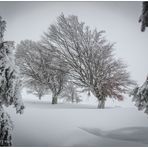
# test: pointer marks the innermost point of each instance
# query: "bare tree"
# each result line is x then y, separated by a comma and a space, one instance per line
70, 93
36, 88
55, 75
42, 65
89, 57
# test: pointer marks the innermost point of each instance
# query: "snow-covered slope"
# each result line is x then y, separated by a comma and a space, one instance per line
43, 124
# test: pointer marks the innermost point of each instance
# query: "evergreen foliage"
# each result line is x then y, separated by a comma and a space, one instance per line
9, 87
140, 96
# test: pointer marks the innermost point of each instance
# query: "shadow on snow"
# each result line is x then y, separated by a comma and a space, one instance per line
137, 134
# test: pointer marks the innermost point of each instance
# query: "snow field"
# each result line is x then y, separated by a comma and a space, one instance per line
44, 124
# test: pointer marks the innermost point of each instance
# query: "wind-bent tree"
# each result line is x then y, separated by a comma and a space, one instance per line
89, 57
140, 96
43, 65
9, 87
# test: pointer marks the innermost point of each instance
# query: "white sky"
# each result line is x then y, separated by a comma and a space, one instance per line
28, 20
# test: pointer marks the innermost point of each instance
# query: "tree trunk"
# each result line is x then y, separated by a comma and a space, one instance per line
54, 100
101, 98
101, 104
40, 97
72, 101
72, 98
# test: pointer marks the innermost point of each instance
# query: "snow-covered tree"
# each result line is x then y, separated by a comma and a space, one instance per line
6, 127
89, 57
42, 65
9, 87
54, 72
27, 56
140, 96
36, 88
70, 93
144, 16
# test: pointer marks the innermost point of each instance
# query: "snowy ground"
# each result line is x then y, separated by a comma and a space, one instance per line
43, 124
